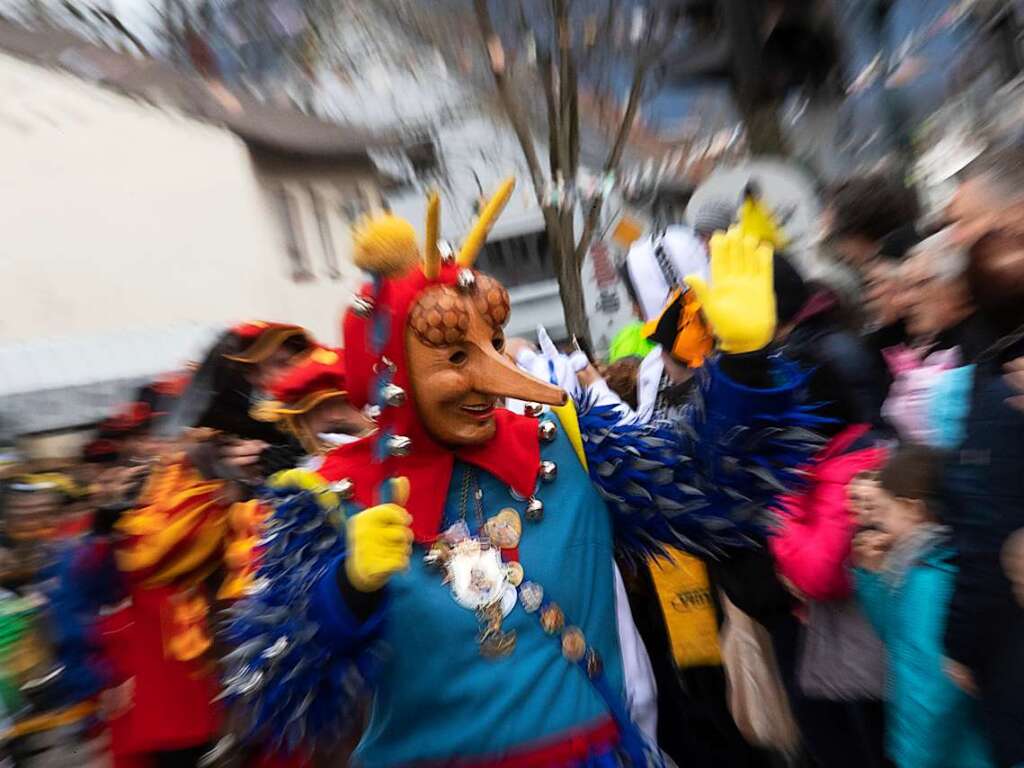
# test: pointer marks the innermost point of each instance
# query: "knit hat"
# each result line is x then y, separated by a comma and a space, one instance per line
714, 216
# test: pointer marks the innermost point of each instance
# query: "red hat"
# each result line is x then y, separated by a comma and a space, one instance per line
318, 377
378, 375
128, 418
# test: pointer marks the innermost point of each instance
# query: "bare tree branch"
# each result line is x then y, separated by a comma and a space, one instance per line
545, 74
566, 85
614, 155
515, 114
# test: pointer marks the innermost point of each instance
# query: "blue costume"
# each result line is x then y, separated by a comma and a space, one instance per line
434, 696
467, 667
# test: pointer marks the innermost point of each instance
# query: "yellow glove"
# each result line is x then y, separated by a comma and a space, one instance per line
306, 480
740, 303
757, 220
379, 541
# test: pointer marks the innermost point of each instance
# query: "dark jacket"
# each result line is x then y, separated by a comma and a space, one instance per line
849, 375
984, 504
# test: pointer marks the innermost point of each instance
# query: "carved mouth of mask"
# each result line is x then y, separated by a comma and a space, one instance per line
481, 411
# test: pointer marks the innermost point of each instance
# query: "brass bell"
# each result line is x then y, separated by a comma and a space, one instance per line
393, 395
533, 409
466, 280
534, 510
548, 471
362, 306
399, 446
345, 489
547, 430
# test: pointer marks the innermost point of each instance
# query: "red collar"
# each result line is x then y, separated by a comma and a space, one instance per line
512, 455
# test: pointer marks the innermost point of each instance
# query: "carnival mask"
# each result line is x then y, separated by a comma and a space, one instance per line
457, 366
424, 338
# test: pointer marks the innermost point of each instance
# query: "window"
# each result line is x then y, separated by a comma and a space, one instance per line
291, 229
326, 237
518, 260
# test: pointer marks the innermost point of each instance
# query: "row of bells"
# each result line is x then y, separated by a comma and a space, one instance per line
399, 446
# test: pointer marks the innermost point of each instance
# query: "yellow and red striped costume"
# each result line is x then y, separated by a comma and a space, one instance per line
183, 531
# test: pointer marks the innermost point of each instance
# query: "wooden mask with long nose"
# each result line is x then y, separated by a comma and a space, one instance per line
457, 367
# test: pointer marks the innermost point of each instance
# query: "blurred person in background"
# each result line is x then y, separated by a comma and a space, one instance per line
984, 488
904, 578
655, 266
834, 694
831, 660
818, 334
309, 402
159, 556
989, 197
870, 222
945, 331
50, 715
1013, 563
682, 636
871, 217
677, 252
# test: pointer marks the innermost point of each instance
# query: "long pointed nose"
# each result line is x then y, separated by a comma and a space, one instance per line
494, 374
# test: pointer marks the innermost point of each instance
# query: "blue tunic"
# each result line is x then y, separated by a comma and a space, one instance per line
301, 656
435, 696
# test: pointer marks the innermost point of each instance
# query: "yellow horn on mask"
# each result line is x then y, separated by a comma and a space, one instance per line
431, 255
478, 234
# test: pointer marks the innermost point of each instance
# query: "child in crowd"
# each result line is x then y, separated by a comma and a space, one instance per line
904, 579
862, 498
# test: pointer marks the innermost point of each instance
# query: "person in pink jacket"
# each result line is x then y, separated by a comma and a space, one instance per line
812, 545
839, 674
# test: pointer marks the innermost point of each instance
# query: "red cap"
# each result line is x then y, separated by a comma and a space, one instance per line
317, 377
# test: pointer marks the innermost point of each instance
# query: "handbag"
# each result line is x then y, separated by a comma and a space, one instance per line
756, 696
841, 658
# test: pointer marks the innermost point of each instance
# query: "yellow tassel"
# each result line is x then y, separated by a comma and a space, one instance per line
431, 255
478, 234
385, 245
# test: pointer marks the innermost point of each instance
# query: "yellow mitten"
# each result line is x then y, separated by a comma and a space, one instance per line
757, 220
740, 302
379, 541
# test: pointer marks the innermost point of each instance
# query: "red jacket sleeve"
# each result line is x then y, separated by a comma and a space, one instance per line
812, 544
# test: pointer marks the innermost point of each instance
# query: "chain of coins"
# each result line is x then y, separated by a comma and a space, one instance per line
504, 530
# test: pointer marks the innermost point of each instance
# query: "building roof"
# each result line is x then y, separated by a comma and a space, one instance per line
266, 126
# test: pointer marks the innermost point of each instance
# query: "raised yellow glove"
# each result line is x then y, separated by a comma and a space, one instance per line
740, 303
757, 220
379, 541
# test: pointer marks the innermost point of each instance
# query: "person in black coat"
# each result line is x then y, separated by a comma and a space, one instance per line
984, 493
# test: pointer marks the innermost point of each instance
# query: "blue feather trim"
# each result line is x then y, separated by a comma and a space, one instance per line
288, 683
710, 482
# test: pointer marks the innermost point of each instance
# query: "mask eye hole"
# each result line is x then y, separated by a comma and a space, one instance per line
458, 357
499, 342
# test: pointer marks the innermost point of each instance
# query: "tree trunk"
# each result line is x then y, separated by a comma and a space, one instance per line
570, 284
764, 129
